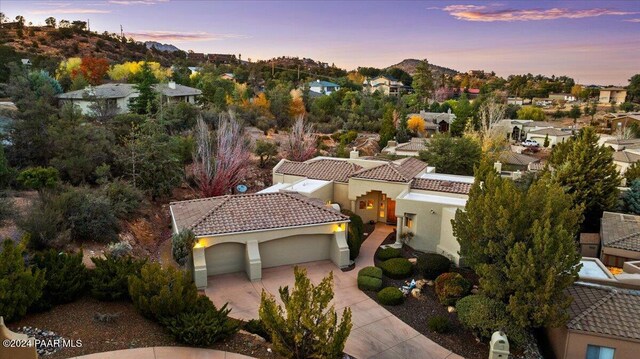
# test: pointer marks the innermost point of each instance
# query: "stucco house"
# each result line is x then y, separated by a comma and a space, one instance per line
625, 158
554, 135
511, 161
562, 97
441, 120
249, 232
411, 148
620, 236
387, 85
323, 87
615, 95
118, 96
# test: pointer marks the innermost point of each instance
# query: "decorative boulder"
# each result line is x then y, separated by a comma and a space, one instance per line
413, 260
420, 283
451, 309
416, 293
430, 283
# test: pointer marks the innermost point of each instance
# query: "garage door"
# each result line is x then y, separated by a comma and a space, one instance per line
295, 249
225, 258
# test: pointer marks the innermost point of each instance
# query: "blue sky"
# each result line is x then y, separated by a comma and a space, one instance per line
592, 41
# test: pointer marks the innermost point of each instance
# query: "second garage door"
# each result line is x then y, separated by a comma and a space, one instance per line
295, 249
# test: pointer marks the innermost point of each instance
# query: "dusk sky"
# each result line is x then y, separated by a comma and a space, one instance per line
592, 41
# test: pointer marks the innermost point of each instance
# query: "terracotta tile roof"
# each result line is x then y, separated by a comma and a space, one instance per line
415, 145
605, 310
518, 159
398, 171
626, 156
322, 169
251, 212
441, 186
621, 231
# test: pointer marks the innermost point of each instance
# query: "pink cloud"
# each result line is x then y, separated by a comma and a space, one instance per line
136, 2
69, 11
483, 14
632, 20
181, 36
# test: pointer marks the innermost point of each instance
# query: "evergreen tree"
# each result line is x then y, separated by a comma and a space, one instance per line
307, 327
145, 103
453, 155
387, 128
20, 285
587, 172
632, 173
423, 81
632, 198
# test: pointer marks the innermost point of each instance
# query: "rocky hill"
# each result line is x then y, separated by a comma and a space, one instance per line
409, 66
160, 46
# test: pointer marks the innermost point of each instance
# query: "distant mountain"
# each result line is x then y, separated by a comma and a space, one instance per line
160, 47
409, 66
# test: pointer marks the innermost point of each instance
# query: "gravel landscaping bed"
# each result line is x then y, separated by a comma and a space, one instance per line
75, 321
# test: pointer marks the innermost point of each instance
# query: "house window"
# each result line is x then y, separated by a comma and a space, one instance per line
408, 220
597, 352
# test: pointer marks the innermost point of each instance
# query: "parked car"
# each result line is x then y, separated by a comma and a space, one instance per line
530, 143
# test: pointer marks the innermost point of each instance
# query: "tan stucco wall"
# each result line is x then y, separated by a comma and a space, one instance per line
557, 338
325, 193
370, 214
553, 140
577, 346
295, 249
359, 187
341, 195
449, 245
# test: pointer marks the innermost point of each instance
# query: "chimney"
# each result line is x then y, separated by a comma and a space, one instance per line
449, 111
392, 143
354, 153
497, 166
172, 85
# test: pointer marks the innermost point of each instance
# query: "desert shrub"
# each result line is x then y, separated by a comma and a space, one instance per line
369, 283
371, 271
397, 268
181, 246
119, 249
65, 276
203, 325
355, 235
483, 316
256, 326
439, 324
388, 253
125, 199
43, 223
390, 296
450, 287
20, 286
110, 278
160, 293
39, 178
431, 265
88, 215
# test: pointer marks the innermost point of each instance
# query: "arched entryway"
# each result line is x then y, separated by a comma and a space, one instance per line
376, 206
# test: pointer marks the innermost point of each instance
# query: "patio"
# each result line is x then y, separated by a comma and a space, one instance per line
376, 332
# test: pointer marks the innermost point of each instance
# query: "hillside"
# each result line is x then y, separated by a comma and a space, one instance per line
409, 66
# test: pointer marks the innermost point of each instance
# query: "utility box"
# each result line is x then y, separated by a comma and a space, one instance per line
499, 346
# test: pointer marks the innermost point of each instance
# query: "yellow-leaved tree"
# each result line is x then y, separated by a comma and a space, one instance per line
416, 124
297, 108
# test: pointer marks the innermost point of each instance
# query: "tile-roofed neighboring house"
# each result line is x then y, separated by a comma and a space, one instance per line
398, 171
441, 185
620, 234
173, 89
321, 169
252, 212
517, 159
416, 144
105, 91
626, 156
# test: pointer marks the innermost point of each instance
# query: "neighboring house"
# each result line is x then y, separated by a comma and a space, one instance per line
411, 148
519, 101
26, 62
616, 95
603, 324
621, 119
554, 135
620, 236
228, 76
512, 161
562, 97
250, 232
118, 96
323, 87
442, 120
387, 85
542, 102
621, 144
625, 158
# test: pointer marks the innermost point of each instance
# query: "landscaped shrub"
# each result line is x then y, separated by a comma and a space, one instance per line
43, 224
162, 292
182, 245
388, 253
371, 271
390, 296
483, 316
88, 215
431, 265
20, 286
110, 278
369, 283
65, 276
255, 326
397, 268
119, 249
39, 178
307, 326
202, 325
439, 324
125, 199
356, 232
450, 287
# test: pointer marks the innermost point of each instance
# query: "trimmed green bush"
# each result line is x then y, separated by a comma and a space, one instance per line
369, 283
450, 287
397, 268
356, 232
483, 316
390, 296
203, 325
431, 265
65, 275
20, 286
388, 253
371, 271
182, 245
439, 324
109, 280
160, 293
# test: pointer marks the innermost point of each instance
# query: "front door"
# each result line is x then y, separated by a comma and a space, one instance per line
391, 211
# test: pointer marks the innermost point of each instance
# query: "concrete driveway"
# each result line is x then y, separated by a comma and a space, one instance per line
376, 332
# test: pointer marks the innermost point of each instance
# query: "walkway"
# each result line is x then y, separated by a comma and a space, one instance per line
164, 353
376, 332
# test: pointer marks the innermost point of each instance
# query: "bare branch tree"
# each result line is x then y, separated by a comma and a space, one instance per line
491, 112
301, 142
623, 133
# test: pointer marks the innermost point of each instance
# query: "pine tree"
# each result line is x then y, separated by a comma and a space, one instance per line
145, 103
423, 81
20, 286
307, 327
632, 173
632, 198
586, 170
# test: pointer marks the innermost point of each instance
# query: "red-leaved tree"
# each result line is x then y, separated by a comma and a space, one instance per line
220, 161
301, 142
93, 69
